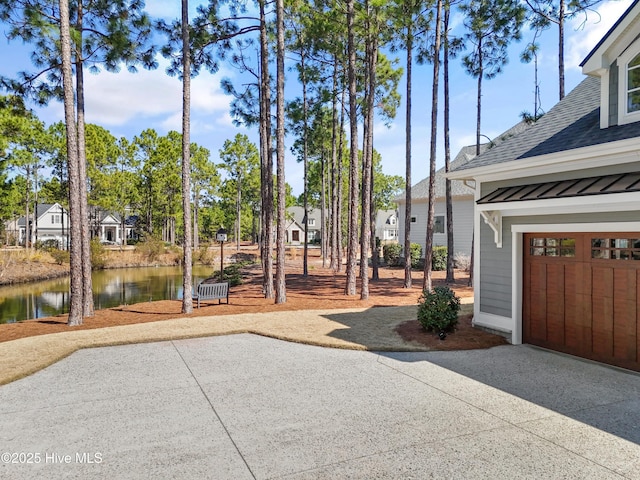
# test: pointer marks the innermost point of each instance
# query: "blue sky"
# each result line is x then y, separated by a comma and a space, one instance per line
126, 103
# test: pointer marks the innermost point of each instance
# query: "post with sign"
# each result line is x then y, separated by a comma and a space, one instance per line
221, 236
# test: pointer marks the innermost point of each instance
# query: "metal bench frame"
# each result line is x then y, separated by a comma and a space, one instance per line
212, 291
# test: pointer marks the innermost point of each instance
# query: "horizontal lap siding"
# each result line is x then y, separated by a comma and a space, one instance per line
495, 274
462, 224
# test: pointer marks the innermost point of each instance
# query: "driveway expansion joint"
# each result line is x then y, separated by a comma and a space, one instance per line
213, 409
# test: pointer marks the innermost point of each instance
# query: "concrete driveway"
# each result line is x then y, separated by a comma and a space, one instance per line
244, 406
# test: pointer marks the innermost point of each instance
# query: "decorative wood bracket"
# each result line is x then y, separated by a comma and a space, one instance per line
494, 220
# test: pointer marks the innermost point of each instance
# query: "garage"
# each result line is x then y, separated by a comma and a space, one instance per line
581, 295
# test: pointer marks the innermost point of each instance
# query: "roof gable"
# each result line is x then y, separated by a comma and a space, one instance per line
619, 36
42, 209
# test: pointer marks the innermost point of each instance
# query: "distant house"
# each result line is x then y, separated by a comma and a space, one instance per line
108, 227
462, 202
50, 223
387, 226
296, 223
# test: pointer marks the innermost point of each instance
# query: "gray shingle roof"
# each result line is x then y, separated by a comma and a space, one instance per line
572, 123
41, 210
465, 155
297, 214
458, 188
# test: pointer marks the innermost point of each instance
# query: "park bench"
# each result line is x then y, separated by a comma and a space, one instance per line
212, 291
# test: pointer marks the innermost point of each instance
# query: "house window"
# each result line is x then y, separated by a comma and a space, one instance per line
633, 85
615, 248
312, 222
55, 219
552, 247
628, 85
295, 236
438, 224
392, 221
413, 219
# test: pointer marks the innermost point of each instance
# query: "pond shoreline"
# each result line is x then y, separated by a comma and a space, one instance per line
22, 270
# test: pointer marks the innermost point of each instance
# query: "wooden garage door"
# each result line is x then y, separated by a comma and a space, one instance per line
581, 295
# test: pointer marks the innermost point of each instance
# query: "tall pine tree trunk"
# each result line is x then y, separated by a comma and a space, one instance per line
352, 247
75, 220
266, 160
196, 214
305, 160
407, 146
335, 234
187, 299
340, 210
87, 284
323, 212
367, 170
281, 293
238, 209
447, 152
428, 256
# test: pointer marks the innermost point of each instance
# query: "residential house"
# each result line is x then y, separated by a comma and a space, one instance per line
387, 226
296, 215
294, 232
106, 226
558, 215
462, 201
50, 223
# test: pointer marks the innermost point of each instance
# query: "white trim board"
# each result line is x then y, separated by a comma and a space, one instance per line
618, 152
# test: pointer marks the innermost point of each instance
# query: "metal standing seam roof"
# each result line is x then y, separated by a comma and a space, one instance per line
581, 187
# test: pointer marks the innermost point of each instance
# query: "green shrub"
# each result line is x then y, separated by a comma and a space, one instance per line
439, 259
438, 309
48, 245
392, 254
60, 256
97, 255
231, 274
151, 248
416, 255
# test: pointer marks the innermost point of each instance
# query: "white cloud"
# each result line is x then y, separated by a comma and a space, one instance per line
162, 8
583, 35
114, 99
380, 129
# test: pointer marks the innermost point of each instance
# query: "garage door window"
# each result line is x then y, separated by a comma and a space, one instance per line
552, 247
615, 248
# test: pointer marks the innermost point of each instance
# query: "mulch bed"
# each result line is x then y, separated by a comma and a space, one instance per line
320, 290
465, 336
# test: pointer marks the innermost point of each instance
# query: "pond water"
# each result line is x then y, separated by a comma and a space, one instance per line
111, 288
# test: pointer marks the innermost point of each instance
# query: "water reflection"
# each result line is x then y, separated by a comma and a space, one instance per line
110, 289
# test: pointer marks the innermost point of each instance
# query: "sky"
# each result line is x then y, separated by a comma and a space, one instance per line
126, 103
